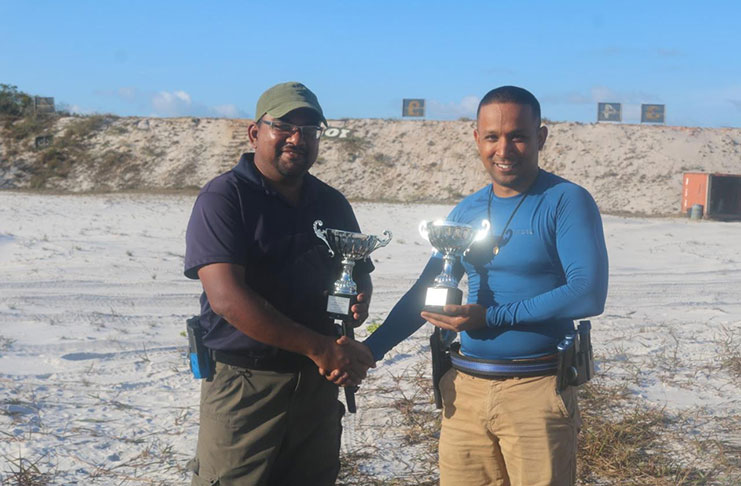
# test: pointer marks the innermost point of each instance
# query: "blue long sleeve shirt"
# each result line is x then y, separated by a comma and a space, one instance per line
551, 268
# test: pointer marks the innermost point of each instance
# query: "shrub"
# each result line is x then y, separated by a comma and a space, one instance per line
14, 102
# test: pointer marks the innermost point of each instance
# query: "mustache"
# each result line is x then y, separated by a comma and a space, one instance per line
293, 148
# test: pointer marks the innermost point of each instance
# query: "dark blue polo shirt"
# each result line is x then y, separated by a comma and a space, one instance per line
237, 218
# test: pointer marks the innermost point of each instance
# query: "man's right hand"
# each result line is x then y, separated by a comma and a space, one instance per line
345, 362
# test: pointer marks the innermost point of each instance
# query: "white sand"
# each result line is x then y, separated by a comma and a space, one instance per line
94, 385
634, 169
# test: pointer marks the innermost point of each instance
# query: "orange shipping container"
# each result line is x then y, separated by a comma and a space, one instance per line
719, 194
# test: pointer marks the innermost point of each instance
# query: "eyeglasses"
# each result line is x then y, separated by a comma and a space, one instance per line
285, 129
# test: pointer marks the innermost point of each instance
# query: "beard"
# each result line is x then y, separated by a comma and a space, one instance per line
293, 161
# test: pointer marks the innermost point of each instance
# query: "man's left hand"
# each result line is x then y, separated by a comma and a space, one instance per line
360, 310
458, 317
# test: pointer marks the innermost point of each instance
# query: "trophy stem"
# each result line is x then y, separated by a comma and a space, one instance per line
345, 285
446, 279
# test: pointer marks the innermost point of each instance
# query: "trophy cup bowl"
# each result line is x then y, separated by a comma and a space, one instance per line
453, 240
352, 247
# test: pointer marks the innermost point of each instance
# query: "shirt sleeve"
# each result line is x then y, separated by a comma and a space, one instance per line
404, 319
580, 244
215, 233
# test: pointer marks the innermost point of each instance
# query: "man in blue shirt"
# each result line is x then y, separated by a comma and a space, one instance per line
543, 265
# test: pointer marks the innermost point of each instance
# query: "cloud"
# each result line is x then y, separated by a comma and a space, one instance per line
228, 111
466, 108
598, 94
176, 103
171, 103
74, 109
126, 93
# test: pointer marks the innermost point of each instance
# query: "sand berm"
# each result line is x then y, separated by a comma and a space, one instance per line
629, 169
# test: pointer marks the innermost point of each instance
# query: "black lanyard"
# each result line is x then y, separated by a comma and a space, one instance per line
488, 216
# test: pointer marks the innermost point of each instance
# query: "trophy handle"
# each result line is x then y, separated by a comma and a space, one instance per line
423, 231
481, 234
378, 243
322, 235
385, 241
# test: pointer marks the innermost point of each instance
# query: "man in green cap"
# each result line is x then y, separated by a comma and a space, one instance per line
267, 416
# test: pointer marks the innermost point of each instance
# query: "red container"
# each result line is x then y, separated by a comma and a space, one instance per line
719, 194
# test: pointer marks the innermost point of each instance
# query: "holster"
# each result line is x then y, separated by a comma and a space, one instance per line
199, 357
440, 363
575, 357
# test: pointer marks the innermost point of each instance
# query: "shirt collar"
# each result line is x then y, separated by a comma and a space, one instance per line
246, 169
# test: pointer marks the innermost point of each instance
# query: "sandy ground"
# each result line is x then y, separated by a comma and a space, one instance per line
94, 385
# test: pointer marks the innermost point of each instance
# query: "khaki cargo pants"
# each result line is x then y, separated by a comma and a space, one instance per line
507, 431
267, 428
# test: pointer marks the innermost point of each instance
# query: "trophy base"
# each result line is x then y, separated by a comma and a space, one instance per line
439, 297
339, 305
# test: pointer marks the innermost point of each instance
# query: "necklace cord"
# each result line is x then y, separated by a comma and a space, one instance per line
488, 215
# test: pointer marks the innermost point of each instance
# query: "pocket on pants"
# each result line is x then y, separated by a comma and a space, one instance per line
240, 398
197, 480
567, 404
447, 388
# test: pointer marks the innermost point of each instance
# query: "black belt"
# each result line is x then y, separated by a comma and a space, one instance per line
487, 368
284, 362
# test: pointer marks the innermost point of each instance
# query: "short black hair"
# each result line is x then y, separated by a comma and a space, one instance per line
511, 94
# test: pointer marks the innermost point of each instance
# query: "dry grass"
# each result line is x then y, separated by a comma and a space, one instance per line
351, 148
6, 343
23, 472
154, 455
67, 150
625, 443
21, 128
730, 351
622, 441
417, 423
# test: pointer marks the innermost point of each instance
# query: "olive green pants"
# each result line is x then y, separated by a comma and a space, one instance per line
267, 428
507, 431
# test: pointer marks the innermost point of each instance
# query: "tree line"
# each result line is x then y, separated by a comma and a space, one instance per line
14, 102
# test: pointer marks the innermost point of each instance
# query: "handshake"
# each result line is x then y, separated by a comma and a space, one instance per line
345, 361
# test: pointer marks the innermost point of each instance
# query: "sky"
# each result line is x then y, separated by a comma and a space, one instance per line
362, 58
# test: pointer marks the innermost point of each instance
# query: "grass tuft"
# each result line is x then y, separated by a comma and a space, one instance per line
23, 472
730, 351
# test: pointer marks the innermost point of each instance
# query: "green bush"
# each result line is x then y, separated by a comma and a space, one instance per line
14, 102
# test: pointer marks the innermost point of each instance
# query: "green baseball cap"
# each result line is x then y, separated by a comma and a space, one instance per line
286, 97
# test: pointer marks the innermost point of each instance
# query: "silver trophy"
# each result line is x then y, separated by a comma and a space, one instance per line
352, 247
453, 240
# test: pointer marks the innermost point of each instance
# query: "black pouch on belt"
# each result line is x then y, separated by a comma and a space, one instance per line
584, 355
440, 363
575, 357
201, 364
